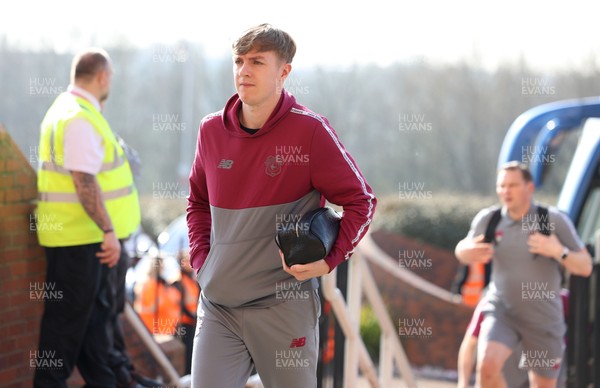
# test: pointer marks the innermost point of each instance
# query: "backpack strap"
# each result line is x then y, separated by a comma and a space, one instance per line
490, 231
490, 237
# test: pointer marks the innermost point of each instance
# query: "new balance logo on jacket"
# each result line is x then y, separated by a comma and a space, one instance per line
226, 164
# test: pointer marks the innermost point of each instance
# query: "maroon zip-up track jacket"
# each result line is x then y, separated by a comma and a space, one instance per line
244, 187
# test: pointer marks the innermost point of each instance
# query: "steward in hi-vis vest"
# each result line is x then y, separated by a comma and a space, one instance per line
87, 206
61, 218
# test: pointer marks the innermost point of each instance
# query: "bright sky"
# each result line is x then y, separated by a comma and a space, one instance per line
548, 34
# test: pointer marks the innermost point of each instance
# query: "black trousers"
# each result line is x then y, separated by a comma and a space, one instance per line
76, 327
118, 359
186, 334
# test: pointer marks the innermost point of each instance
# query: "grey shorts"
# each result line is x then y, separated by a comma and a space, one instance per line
281, 341
542, 348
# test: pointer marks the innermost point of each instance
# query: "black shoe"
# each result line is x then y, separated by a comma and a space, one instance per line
145, 381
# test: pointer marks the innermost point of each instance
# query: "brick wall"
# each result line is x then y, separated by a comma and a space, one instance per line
23, 267
22, 264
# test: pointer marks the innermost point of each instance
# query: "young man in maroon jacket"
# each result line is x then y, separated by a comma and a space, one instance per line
260, 163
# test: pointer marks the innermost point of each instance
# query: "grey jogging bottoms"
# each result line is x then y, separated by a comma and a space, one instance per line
280, 340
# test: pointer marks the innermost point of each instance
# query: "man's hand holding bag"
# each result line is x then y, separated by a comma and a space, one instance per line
311, 239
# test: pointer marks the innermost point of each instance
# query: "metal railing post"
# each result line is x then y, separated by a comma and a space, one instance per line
390, 346
354, 293
348, 314
338, 305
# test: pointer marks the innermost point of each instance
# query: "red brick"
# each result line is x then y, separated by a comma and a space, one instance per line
31, 310
15, 329
37, 267
12, 165
19, 298
8, 345
25, 179
12, 254
13, 223
8, 286
4, 269
14, 195
8, 375
19, 268
33, 325
18, 239
26, 342
16, 209
6, 181
31, 252
30, 192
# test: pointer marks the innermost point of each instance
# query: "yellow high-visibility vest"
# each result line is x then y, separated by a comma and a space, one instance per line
60, 218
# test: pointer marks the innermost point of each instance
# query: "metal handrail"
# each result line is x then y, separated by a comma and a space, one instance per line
157, 353
361, 280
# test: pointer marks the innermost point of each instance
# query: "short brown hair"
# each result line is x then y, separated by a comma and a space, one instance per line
516, 166
265, 37
88, 63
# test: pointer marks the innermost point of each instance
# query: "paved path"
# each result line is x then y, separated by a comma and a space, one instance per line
421, 383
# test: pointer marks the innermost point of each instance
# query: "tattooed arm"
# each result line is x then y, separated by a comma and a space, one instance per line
90, 196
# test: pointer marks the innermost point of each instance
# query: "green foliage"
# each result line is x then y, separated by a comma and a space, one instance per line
370, 331
441, 220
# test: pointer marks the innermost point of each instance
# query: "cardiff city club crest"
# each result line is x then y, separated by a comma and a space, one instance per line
272, 166
499, 235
